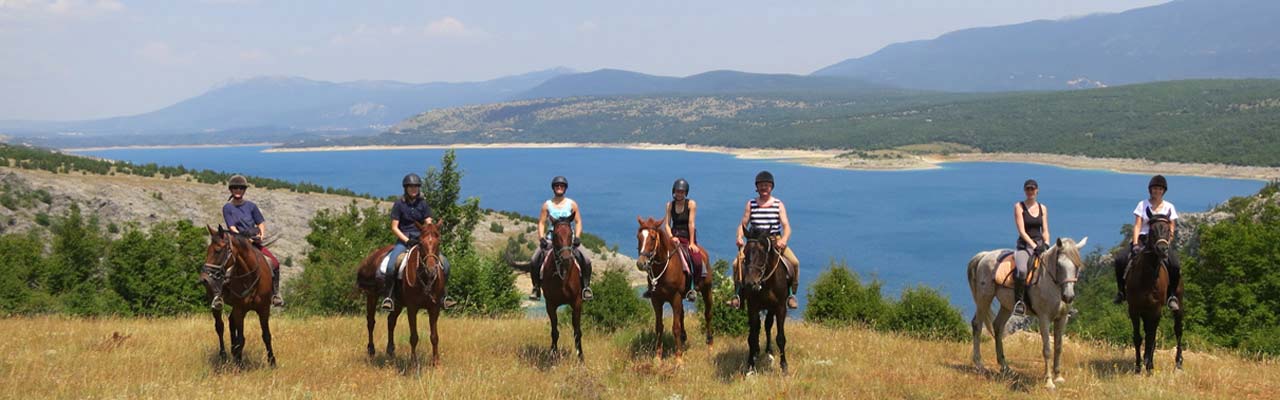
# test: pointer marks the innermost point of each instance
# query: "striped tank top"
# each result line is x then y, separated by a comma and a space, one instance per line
767, 216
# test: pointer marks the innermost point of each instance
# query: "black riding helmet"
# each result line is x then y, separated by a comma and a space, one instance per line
560, 180
237, 181
764, 176
411, 180
680, 184
1160, 182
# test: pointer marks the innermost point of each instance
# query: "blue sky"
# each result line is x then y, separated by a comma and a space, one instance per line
76, 59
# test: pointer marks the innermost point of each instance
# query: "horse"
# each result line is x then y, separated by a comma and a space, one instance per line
422, 288
1146, 290
235, 268
561, 282
1050, 295
765, 288
664, 263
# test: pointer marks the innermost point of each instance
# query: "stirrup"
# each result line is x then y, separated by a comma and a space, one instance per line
277, 300
692, 295
735, 302
388, 304
1020, 309
586, 294
792, 303
537, 294
216, 305
1119, 299
1173, 303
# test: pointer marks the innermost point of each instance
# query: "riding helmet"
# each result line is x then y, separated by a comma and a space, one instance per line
560, 180
238, 181
680, 184
411, 180
1030, 184
1158, 181
764, 176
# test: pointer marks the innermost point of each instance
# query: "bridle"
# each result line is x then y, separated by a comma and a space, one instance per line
767, 242
651, 255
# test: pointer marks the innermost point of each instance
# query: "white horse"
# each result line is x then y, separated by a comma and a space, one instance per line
1049, 297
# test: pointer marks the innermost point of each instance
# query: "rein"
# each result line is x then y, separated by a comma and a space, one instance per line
226, 266
768, 243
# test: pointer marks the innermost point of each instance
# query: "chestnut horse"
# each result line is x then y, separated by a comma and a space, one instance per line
561, 282
764, 288
664, 265
234, 267
1146, 288
422, 288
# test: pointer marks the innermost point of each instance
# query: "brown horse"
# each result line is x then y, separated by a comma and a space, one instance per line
765, 288
235, 268
561, 282
422, 288
664, 264
1146, 290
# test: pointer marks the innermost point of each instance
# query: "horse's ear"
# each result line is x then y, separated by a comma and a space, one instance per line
1059, 243
419, 225
1082, 242
211, 231
639, 220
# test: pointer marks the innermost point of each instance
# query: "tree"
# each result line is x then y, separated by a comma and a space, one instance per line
441, 188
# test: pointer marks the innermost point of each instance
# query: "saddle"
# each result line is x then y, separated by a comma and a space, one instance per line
400, 262
1005, 270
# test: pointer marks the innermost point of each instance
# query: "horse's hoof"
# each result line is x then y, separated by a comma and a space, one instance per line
1060, 380
272, 362
371, 351
770, 355
1049, 385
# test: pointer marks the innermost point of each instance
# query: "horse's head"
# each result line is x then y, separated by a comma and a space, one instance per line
1067, 265
221, 248
1159, 235
755, 256
648, 242
562, 240
429, 242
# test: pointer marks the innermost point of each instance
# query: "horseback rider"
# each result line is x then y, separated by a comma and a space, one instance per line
408, 211
1032, 220
243, 217
1155, 205
559, 207
680, 223
767, 212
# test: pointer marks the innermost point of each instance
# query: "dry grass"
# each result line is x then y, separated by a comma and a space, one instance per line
59, 357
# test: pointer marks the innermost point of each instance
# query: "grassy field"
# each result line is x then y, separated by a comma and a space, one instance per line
61, 357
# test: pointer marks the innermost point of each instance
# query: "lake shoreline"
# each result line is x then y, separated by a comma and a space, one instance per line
166, 146
847, 160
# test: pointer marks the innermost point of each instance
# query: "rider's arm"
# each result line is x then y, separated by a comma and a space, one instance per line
542, 220
786, 223
1044, 216
1137, 229
259, 221
1022, 230
746, 217
226, 218
577, 233
693, 215
395, 228
666, 220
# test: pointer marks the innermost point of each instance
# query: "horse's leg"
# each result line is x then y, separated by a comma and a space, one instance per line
413, 335
781, 319
1150, 325
981, 318
753, 338
217, 326
555, 329
677, 329
1002, 317
1137, 343
657, 328
706, 314
1045, 350
1177, 333
434, 314
577, 330
768, 333
370, 309
1059, 329
237, 333
264, 318
391, 329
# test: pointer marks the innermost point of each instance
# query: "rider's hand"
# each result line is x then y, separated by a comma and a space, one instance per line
542, 242
675, 240
577, 241
740, 243
780, 244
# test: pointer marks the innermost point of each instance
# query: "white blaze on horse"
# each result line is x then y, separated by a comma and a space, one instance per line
1050, 291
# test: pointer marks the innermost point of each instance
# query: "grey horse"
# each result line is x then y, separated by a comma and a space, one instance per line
1049, 298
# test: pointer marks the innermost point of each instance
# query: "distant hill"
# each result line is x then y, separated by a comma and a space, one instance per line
613, 82
291, 105
1185, 39
1207, 121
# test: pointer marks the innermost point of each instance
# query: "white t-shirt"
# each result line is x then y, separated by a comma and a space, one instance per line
1165, 208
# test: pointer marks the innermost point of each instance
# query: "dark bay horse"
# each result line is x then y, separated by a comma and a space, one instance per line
422, 288
561, 281
764, 288
664, 263
1146, 290
234, 267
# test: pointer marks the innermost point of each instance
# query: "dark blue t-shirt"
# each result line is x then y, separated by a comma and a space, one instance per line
245, 217
409, 213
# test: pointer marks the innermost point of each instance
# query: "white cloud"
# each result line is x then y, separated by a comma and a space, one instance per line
59, 8
449, 27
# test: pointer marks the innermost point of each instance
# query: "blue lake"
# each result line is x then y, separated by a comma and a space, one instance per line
902, 227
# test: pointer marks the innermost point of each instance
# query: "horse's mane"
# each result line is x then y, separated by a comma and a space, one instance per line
1070, 250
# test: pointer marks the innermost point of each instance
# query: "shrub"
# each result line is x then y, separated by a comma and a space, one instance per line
495, 227
1263, 341
615, 305
155, 273
482, 286
724, 319
924, 313
838, 298
340, 240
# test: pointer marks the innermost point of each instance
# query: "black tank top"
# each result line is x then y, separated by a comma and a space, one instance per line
1033, 225
680, 220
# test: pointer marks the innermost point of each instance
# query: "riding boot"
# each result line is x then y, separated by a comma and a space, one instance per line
535, 275
215, 286
691, 284
648, 290
586, 275
792, 303
1120, 266
1019, 293
1175, 278
389, 288
276, 300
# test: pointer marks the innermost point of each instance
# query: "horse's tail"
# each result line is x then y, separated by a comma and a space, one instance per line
982, 314
367, 270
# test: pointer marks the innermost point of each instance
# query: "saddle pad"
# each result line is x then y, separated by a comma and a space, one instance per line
401, 260
1005, 270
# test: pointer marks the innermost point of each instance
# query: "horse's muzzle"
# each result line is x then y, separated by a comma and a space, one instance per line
1069, 292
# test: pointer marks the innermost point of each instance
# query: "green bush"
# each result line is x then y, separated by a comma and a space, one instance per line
615, 304
593, 242
340, 240
924, 313
724, 319
19, 271
838, 298
1263, 342
495, 227
156, 272
482, 286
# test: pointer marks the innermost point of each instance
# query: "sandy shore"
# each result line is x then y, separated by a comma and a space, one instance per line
161, 147
886, 160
